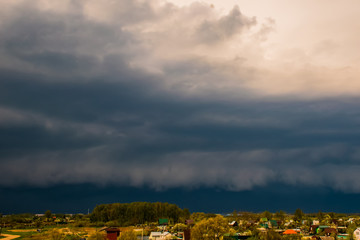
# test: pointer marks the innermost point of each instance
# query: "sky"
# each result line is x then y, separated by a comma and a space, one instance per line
215, 105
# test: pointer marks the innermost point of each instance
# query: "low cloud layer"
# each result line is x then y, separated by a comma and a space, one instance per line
146, 93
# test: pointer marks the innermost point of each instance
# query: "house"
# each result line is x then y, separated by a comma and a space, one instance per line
321, 228
351, 220
189, 222
357, 234
155, 235
329, 231
342, 236
289, 222
264, 225
233, 224
160, 236
251, 223
316, 222
313, 229
273, 224
163, 223
341, 229
290, 232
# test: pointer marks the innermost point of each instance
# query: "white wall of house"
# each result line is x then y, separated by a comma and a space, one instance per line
357, 234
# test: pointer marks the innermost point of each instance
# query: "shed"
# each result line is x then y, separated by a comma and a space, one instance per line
112, 233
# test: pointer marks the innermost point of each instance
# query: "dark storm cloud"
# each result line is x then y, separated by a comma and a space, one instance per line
76, 109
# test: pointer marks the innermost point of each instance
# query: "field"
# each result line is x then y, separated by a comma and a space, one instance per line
69, 233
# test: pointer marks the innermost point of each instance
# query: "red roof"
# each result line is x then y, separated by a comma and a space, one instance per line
290, 231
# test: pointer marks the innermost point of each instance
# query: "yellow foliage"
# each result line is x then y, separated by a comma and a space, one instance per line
210, 229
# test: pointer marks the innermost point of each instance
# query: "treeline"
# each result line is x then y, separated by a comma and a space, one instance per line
125, 214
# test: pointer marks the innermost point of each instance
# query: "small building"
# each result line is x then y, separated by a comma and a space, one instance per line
160, 236
273, 224
313, 229
233, 224
264, 225
329, 231
342, 236
189, 222
357, 234
290, 232
155, 235
321, 228
351, 220
341, 229
316, 222
112, 233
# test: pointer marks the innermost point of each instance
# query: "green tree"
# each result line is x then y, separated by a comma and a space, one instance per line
247, 216
234, 216
128, 235
270, 235
267, 215
48, 214
330, 217
197, 216
320, 216
138, 213
298, 215
280, 215
185, 215
350, 230
179, 227
210, 229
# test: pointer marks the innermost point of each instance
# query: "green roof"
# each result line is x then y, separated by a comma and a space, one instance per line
273, 222
342, 237
264, 225
163, 221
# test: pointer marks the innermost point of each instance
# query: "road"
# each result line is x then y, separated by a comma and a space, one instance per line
9, 237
